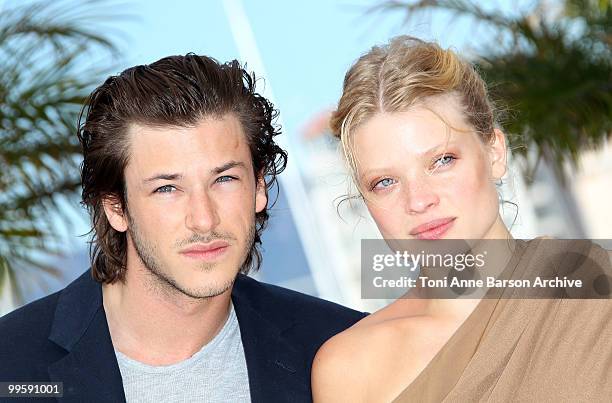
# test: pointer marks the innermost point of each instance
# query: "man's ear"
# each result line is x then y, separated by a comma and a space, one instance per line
497, 154
114, 213
261, 194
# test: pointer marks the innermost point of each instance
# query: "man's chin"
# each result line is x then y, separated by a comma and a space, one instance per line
211, 286
194, 282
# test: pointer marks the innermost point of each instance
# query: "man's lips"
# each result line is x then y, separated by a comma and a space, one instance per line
433, 229
206, 251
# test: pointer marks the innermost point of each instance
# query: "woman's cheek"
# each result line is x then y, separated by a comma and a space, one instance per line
387, 221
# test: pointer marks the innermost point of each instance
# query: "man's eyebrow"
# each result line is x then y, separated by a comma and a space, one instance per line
177, 176
226, 166
167, 177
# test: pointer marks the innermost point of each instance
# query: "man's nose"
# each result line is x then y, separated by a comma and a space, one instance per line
202, 216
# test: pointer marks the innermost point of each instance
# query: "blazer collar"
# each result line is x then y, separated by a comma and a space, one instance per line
89, 371
277, 367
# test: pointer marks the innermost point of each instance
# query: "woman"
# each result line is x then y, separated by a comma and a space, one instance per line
420, 138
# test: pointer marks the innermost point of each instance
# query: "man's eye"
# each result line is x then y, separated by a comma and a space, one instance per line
226, 178
165, 189
384, 183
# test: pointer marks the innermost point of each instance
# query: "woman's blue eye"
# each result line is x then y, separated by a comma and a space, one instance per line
384, 183
444, 160
165, 189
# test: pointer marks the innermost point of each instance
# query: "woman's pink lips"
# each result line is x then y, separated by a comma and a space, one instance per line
437, 231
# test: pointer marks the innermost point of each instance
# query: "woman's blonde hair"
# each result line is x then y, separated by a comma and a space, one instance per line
404, 73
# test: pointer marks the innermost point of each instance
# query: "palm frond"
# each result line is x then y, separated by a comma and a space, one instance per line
45, 48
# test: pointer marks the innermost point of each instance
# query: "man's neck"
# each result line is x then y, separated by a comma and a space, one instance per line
156, 326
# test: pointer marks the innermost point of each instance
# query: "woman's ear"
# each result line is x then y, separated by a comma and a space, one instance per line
497, 154
114, 213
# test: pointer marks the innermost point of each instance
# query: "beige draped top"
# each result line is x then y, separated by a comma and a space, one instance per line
530, 350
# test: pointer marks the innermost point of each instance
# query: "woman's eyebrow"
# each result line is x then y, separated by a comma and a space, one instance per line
444, 146
433, 149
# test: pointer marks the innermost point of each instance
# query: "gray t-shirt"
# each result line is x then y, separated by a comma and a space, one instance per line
216, 373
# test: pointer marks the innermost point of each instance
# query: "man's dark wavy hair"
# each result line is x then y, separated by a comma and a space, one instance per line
173, 91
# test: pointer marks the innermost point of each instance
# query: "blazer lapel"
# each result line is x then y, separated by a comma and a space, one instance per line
89, 371
276, 367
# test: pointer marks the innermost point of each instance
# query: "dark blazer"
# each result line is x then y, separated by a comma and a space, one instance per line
64, 337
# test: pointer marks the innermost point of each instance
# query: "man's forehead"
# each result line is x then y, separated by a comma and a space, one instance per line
228, 123
210, 141
216, 132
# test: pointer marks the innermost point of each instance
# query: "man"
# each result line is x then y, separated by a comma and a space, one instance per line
178, 158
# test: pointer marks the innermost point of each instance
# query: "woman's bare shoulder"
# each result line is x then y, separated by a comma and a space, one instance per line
364, 338
350, 361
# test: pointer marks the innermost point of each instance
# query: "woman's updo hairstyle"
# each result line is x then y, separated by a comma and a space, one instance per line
404, 73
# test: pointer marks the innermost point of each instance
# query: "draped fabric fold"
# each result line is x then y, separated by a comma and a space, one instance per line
529, 350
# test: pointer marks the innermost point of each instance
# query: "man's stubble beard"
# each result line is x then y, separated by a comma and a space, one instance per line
163, 281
